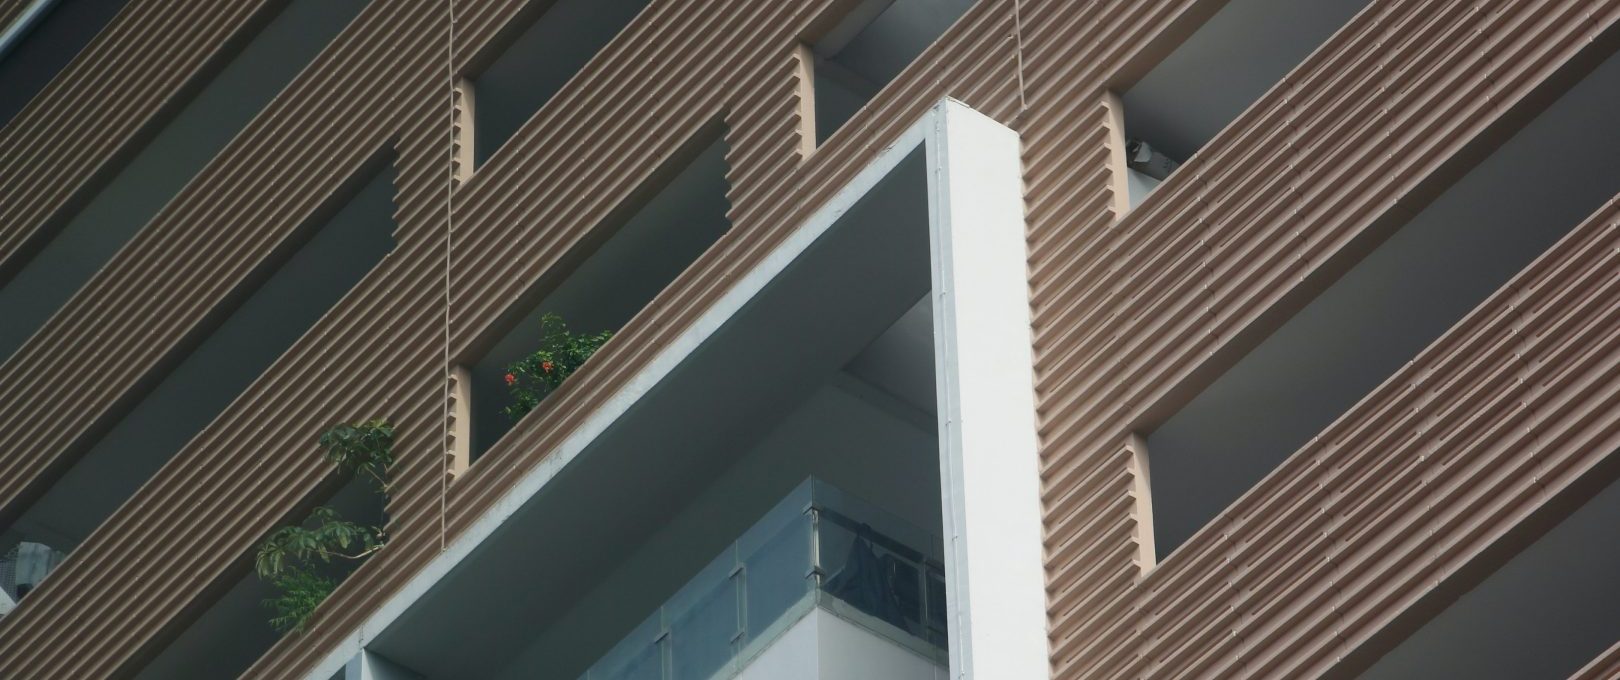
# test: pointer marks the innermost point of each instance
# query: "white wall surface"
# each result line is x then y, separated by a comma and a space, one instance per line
372, 666
823, 646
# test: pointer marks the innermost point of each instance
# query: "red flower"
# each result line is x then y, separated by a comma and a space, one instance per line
510, 379
545, 366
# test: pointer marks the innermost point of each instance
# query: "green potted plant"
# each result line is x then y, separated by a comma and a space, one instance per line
298, 561
561, 352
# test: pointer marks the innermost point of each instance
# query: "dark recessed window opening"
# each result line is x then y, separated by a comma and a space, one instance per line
1544, 614
1380, 314
235, 631
538, 62
31, 293
867, 48
1223, 68
611, 284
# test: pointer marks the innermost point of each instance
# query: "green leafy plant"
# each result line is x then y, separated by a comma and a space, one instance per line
298, 561
363, 449
561, 353
300, 591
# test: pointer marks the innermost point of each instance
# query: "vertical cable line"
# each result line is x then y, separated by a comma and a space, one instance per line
1018, 51
446, 451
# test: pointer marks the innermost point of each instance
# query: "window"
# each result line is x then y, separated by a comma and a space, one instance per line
534, 65
1225, 66
873, 42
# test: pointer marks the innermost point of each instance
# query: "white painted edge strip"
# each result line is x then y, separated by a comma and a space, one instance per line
923, 134
995, 589
25, 22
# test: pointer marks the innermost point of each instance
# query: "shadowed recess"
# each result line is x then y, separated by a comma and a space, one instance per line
1544, 614
635, 263
535, 65
869, 46
1231, 61
1386, 309
90, 238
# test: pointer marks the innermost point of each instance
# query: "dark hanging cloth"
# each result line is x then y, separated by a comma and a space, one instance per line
866, 583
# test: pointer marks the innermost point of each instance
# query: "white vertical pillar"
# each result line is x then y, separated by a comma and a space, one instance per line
996, 584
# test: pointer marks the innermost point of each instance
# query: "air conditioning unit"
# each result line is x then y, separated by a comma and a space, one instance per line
1148, 160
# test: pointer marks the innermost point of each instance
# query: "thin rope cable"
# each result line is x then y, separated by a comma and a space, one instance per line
449, 229
1018, 38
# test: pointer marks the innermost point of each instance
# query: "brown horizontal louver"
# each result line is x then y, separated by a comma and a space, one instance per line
1402, 295
1406, 95
36, 284
265, 318
535, 63
1211, 76
107, 102
1554, 597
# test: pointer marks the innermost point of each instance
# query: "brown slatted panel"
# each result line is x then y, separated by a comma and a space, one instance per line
1605, 667
1118, 350
10, 10
1126, 312
108, 100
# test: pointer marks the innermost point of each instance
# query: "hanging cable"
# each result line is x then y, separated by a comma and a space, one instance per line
446, 451
1018, 40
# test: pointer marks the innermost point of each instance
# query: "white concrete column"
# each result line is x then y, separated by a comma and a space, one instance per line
995, 580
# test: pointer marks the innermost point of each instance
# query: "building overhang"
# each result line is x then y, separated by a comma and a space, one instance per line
989, 467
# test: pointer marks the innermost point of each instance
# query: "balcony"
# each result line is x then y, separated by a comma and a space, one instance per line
635, 548
819, 552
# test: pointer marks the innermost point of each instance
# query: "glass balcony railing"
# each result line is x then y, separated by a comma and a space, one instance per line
817, 547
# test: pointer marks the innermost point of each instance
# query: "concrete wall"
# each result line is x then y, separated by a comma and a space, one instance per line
824, 646
373, 666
